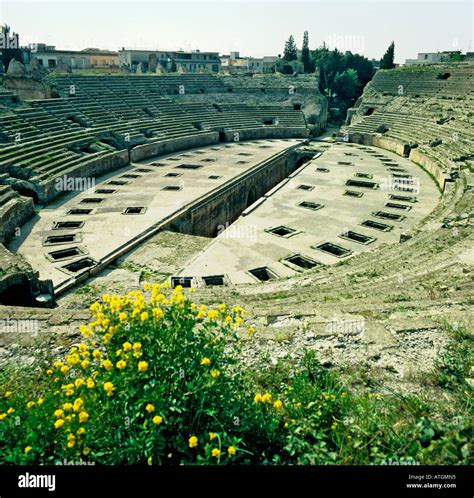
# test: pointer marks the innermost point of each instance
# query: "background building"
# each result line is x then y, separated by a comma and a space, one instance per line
194, 61
90, 58
234, 64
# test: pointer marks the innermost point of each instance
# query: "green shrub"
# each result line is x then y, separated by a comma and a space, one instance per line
154, 381
157, 380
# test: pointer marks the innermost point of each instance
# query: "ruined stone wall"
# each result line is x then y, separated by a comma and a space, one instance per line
262, 133
402, 149
28, 88
47, 191
225, 206
145, 151
13, 215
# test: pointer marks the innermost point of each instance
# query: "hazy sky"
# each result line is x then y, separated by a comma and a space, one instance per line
253, 28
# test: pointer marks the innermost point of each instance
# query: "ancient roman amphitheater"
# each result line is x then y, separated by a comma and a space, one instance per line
357, 244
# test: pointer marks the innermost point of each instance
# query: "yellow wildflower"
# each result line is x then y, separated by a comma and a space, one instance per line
267, 398
28, 449
58, 413
90, 383
59, 423
109, 388
83, 417
193, 441
144, 316
30, 404
79, 382
278, 404
142, 366
85, 331
157, 419
216, 452
150, 408
121, 364
80, 431
231, 450
212, 435
157, 313
215, 373
205, 361
212, 315
78, 404
107, 364
95, 307
127, 346
257, 398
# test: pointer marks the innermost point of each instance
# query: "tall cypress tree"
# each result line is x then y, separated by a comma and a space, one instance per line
305, 56
387, 60
290, 52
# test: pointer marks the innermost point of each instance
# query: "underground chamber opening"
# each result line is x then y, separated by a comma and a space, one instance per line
65, 253
353, 193
377, 225
82, 264
134, 210
302, 261
60, 239
388, 216
361, 184
263, 274
60, 225
282, 231
314, 206
334, 249
213, 280
183, 281
357, 237
17, 295
394, 205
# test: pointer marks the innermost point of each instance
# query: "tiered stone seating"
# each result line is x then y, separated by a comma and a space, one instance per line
426, 80
418, 108
43, 139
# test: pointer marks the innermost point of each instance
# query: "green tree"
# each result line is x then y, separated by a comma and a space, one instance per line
305, 55
290, 52
455, 57
363, 66
387, 60
346, 85
329, 63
